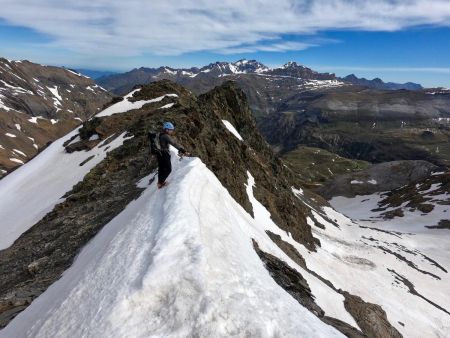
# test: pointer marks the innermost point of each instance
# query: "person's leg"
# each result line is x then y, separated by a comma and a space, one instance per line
165, 167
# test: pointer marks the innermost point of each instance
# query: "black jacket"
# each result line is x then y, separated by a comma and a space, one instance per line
165, 141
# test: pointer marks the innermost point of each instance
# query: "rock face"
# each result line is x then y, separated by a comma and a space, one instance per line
370, 317
377, 178
39, 104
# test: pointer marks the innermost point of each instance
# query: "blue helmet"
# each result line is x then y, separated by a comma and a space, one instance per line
168, 125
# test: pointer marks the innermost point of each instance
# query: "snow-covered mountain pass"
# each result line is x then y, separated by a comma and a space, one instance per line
177, 262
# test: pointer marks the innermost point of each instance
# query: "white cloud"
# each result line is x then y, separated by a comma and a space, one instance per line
135, 27
439, 70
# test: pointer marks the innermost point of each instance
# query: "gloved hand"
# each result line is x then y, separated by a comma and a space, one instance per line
183, 152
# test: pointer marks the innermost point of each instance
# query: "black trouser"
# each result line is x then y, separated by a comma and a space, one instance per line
164, 166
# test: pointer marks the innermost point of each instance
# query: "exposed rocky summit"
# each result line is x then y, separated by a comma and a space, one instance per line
39, 104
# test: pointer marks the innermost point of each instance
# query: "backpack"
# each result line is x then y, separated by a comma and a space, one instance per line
155, 147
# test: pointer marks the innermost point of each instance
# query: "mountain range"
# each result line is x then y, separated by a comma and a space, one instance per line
120, 83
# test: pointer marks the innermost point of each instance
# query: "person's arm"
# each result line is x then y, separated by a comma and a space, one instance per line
172, 142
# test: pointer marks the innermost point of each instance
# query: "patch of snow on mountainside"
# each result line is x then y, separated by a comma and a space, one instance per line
232, 129
56, 97
313, 84
15, 89
126, 105
162, 269
2, 104
169, 105
54, 91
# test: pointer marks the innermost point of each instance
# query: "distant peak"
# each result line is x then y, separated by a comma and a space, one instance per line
290, 64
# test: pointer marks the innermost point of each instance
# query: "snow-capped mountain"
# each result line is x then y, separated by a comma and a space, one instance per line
233, 246
39, 104
205, 78
227, 68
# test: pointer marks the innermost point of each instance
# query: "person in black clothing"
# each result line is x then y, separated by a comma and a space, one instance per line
163, 156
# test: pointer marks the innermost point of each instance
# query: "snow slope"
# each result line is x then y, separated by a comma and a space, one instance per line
176, 262
30, 192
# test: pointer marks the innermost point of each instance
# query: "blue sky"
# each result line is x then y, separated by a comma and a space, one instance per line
395, 40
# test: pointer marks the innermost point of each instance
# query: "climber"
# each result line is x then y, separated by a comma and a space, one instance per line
159, 146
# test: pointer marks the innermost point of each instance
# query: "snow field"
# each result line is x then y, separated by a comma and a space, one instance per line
352, 262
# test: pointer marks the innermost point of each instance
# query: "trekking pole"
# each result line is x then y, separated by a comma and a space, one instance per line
153, 178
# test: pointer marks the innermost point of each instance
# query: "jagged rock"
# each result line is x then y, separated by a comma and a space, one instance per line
371, 318
36, 266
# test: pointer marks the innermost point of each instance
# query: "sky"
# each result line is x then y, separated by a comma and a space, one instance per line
400, 41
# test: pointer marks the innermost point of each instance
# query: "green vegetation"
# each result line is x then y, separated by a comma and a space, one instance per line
315, 166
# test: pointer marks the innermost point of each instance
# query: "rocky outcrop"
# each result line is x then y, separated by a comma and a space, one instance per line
377, 178
371, 318
422, 194
39, 104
